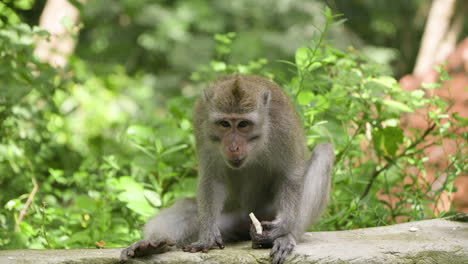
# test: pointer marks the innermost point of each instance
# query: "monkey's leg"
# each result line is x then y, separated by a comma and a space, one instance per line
316, 190
233, 227
178, 225
172, 226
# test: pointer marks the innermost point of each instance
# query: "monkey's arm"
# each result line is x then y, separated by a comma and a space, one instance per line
281, 234
211, 196
288, 207
301, 201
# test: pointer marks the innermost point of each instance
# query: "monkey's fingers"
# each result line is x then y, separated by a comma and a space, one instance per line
125, 254
132, 250
282, 248
202, 246
262, 240
186, 249
170, 242
156, 244
163, 243
279, 257
198, 249
220, 244
144, 248
195, 248
268, 225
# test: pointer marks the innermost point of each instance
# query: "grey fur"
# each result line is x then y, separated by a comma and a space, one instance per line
278, 183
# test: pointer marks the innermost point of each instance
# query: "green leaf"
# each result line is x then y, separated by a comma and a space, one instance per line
86, 203
185, 124
387, 140
375, 88
302, 56
140, 134
174, 149
170, 135
134, 196
462, 120
112, 162
305, 97
431, 85
23, 4
443, 74
393, 175
418, 94
225, 38
397, 106
67, 22
218, 66
153, 197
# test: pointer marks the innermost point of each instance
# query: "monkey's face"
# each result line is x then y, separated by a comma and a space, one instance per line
237, 135
237, 110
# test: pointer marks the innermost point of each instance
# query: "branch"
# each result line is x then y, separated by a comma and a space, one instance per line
340, 155
26, 205
395, 159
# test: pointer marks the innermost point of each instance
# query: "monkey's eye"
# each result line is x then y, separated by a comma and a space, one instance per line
224, 123
243, 123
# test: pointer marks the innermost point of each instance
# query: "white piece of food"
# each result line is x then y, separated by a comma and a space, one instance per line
256, 223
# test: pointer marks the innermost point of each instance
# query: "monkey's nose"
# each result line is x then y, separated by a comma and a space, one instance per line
234, 149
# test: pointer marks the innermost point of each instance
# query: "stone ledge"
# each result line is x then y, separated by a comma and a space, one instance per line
429, 241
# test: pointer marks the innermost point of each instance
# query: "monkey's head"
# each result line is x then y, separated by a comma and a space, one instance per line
238, 118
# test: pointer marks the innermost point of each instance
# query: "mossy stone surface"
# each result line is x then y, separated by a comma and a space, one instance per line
423, 242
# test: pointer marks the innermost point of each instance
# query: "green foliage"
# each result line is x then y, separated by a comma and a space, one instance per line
353, 103
75, 135
90, 152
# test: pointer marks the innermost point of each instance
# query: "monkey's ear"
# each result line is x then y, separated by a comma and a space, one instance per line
266, 98
206, 96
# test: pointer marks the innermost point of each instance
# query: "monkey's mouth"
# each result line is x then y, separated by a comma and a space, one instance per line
236, 163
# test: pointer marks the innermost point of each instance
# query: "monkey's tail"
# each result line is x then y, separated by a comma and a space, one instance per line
316, 184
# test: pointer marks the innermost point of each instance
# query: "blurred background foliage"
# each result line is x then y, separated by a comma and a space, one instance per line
90, 152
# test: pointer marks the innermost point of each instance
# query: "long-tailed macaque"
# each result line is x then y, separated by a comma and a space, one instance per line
252, 158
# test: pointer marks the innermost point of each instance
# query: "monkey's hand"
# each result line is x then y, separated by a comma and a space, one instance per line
271, 231
207, 242
273, 236
262, 240
282, 248
145, 247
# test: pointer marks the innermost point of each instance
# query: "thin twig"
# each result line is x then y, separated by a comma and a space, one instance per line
348, 145
391, 162
44, 220
26, 205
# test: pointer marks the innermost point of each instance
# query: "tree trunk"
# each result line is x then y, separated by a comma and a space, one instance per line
443, 27
59, 18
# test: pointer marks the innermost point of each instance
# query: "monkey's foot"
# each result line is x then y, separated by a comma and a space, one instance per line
282, 248
145, 247
204, 246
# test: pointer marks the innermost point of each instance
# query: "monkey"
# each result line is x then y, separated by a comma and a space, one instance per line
252, 157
